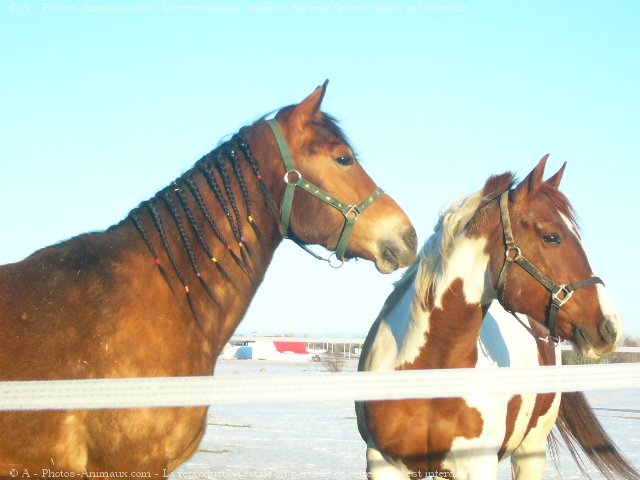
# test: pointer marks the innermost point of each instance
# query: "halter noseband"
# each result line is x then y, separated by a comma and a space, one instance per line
351, 212
560, 294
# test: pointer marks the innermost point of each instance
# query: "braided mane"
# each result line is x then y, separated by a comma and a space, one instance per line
217, 168
175, 198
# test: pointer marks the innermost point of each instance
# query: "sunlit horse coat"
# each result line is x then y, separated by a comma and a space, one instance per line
443, 314
160, 293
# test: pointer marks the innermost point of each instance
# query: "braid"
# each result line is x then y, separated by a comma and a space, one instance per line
253, 163
198, 196
166, 196
213, 184
192, 221
187, 243
222, 169
165, 242
136, 222
224, 194
245, 190
203, 207
230, 153
246, 150
194, 224
240, 176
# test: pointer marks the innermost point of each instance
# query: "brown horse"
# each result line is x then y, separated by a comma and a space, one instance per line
515, 249
160, 293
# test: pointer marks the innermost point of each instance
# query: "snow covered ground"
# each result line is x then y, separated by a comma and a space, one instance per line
321, 441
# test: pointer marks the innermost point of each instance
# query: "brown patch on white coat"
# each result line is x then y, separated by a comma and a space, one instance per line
433, 320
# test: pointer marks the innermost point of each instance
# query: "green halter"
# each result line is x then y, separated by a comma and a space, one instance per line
350, 212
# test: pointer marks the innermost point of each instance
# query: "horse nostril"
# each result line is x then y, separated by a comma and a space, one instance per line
411, 239
608, 330
391, 256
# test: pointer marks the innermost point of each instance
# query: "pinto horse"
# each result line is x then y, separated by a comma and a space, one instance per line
499, 250
160, 293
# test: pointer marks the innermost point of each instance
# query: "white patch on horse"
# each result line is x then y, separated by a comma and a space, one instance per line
445, 257
571, 226
519, 351
399, 316
407, 322
607, 306
409, 326
467, 262
609, 310
529, 459
494, 351
399, 335
382, 354
383, 468
476, 458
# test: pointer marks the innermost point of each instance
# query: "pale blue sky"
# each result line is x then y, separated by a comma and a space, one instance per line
105, 102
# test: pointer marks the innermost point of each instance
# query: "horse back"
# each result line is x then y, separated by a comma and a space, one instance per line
90, 307
49, 301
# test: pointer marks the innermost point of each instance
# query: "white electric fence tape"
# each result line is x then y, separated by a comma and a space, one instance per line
310, 387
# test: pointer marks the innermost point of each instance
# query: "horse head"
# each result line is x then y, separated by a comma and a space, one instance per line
337, 191
540, 268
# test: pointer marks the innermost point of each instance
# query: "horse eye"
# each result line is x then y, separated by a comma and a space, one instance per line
552, 239
345, 161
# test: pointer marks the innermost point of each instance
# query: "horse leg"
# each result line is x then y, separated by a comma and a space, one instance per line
529, 460
481, 467
380, 467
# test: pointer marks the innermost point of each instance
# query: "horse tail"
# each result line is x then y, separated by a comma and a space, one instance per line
582, 432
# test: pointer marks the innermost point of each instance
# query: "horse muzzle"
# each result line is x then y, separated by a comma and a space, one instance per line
601, 342
397, 252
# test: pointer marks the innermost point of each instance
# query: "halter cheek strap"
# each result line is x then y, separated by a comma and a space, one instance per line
560, 293
293, 178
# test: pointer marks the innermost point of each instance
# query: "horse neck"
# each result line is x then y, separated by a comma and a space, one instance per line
450, 309
211, 234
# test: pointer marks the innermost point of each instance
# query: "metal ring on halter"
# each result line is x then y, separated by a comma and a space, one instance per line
332, 263
514, 249
567, 295
352, 209
286, 176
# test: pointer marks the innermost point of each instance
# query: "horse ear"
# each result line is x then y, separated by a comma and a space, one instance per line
531, 182
554, 181
305, 110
